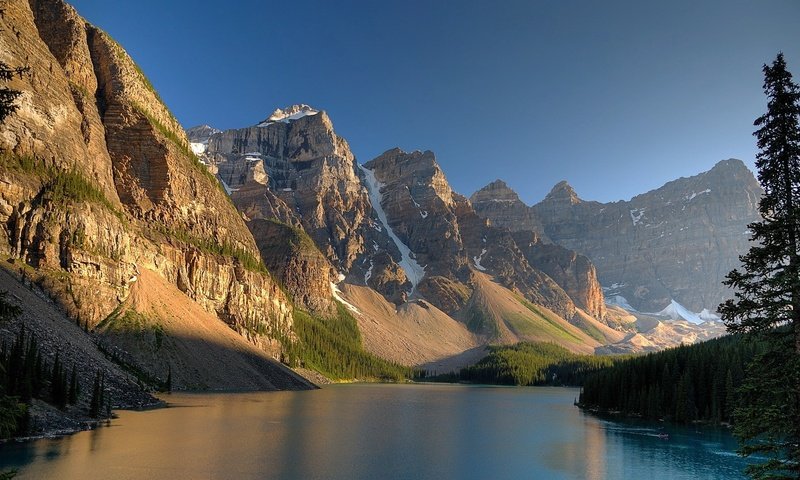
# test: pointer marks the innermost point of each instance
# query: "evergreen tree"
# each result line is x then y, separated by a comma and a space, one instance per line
767, 297
8, 95
730, 396
73, 386
11, 410
97, 400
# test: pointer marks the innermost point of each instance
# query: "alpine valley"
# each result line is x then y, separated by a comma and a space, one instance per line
266, 257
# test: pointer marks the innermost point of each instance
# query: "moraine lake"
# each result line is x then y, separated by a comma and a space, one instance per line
373, 431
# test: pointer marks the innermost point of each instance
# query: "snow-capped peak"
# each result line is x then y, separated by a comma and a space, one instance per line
676, 311
285, 115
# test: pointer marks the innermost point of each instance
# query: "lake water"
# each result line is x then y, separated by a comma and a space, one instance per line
376, 432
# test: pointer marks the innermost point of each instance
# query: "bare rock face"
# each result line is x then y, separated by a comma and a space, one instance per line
302, 269
501, 205
574, 273
673, 243
57, 120
420, 209
98, 183
495, 250
384, 275
293, 168
255, 201
570, 270
445, 235
310, 169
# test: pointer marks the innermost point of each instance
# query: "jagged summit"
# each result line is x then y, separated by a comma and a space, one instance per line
563, 191
496, 191
198, 137
422, 162
731, 167
201, 129
288, 114
701, 220
400, 154
731, 163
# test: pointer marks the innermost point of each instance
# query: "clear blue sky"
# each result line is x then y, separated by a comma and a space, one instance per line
615, 97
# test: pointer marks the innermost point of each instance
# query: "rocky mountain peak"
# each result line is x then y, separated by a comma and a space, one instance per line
414, 170
497, 191
634, 244
198, 138
201, 133
563, 191
730, 165
733, 170
288, 114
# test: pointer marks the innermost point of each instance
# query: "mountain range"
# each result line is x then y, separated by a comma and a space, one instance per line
201, 252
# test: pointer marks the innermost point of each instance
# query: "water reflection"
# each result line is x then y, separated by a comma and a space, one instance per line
375, 431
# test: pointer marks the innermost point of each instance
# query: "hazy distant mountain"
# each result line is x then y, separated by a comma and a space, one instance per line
671, 245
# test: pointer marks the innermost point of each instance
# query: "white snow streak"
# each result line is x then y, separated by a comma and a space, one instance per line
693, 195
198, 148
414, 272
619, 301
337, 294
478, 259
368, 275
285, 117
636, 215
228, 189
422, 213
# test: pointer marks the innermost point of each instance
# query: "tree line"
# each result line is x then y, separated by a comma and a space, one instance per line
528, 363
752, 379
25, 375
332, 346
684, 384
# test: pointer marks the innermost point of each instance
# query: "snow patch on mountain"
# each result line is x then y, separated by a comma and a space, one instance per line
368, 274
288, 114
228, 189
676, 311
337, 294
694, 195
619, 301
198, 148
636, 215
707, 315
477, 260
673, 311
414, 272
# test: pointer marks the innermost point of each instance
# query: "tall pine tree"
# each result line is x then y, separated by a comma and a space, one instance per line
9, 95
767, 289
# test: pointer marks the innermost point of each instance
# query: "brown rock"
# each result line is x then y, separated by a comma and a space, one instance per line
101, 185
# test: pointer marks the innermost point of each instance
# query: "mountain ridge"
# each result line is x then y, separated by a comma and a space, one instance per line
102, 185
724, 199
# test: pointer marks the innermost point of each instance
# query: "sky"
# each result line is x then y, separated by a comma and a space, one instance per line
616, 97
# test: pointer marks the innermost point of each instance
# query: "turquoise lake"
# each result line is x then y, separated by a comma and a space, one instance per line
375, 431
